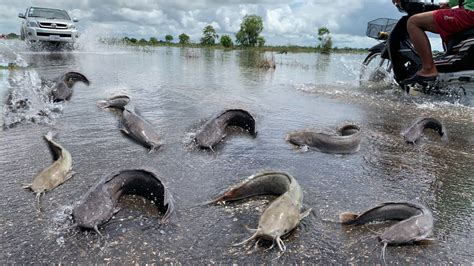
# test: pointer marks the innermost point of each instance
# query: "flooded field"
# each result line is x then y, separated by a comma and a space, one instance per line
176, 90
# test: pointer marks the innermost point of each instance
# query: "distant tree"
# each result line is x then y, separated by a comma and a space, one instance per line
260, 41
133, 40
209, 35
324, 37
250, 28
226, 41
12, 36
168, 38
183, 38
142, 42
153, 41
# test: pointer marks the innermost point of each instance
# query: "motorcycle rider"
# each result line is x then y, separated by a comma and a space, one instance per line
445, 21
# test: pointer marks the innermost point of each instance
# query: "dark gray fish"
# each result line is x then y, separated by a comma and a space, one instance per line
100, 203
62, 90
214, 130
416, 222
140, 130
282, 215
415, 131
118, 102
348, 140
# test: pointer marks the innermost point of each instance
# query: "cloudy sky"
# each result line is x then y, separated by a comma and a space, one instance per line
285, 22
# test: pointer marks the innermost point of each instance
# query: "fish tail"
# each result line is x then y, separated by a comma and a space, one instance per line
347, 217
49, 136
227, 196
444, 134
168, 212
77, 76
212, 201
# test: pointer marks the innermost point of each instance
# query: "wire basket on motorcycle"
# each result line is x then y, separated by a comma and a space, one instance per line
380, 28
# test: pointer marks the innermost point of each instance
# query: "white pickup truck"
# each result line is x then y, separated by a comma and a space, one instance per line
48, 25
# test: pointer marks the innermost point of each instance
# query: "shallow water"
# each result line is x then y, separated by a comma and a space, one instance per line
176, 90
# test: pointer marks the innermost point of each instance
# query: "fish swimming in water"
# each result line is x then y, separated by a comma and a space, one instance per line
348, 140
62, 90
100, 202
416, 222
140, 130
282, 215
415, 131
214, 130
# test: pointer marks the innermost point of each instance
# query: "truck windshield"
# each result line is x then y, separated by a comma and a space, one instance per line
48, 13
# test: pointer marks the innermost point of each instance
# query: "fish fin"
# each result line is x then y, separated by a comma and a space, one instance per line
69, 175
305, 213
27, 186
116, 210
124, 130
246, 240
347, 217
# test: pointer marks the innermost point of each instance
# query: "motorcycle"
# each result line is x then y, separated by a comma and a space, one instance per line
395, 58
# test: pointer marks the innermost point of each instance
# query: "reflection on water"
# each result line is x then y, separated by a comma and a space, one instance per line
176, 90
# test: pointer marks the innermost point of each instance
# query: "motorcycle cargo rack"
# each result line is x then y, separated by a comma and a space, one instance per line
380, 28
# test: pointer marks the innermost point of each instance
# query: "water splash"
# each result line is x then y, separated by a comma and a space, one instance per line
25, 95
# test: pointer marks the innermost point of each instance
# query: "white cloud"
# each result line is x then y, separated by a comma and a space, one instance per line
285, 21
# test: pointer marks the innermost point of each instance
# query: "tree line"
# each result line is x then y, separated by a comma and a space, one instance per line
247, 36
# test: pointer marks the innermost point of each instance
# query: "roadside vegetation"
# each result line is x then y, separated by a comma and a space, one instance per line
9, 36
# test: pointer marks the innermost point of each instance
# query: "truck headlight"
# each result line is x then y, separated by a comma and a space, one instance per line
72, 27
33, 24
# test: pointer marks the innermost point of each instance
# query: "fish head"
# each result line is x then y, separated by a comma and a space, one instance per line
280, 218
96, 209
408, 231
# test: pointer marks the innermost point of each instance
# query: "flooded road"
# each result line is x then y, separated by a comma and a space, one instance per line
176, 90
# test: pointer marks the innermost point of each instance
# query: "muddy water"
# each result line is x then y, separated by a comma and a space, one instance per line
176, 90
